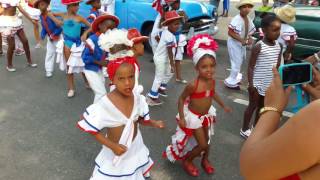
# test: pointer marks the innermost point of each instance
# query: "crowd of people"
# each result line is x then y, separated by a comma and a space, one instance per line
95, 48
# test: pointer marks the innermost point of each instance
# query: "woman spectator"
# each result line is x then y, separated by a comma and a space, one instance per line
290, 152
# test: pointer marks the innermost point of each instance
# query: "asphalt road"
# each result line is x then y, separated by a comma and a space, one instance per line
40, 140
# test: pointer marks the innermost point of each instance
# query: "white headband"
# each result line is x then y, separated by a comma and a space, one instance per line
199, 53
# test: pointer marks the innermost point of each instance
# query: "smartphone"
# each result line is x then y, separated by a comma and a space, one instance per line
295, 74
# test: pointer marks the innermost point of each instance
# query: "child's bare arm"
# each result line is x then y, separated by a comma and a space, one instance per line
85, 34
186, 93
117, 149
252, 62
236, 37
59, 14
57, 21
26, 14
171, 59
152, 123
279, 57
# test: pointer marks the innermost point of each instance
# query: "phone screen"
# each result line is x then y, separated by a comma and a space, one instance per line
296, 74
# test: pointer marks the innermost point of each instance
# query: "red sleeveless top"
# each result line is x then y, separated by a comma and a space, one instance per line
203, 94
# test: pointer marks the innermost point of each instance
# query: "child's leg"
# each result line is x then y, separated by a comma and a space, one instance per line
70, 79
178, 70
167, 74
85, 80
37, 34
227, 7
11, 47
260, 105
206, 152
200, 137
158, 78
253, 103
50, 56
25, 43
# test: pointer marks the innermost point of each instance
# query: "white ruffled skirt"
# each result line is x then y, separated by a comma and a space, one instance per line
134, 165
9, 25
75, 63
183, 140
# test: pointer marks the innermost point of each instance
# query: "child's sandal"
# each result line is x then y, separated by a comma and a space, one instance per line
207, 167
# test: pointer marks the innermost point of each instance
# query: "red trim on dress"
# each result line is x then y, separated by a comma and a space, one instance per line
148, 170
88, 131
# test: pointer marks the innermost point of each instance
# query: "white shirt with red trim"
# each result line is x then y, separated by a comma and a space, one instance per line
167, 40
237, 25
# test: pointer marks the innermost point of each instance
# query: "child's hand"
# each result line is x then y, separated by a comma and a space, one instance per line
119, 149
227, 109
34, 22
159, 124
244, 42
182, 123
250, 41
84, 37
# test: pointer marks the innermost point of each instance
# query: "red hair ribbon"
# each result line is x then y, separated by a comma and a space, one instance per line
115, 64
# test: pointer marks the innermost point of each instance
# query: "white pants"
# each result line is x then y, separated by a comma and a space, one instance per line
237, 54
162, 76
50, 55
97, 83
108, 6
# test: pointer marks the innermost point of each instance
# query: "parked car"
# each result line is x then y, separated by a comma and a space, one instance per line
140, 14
307, 26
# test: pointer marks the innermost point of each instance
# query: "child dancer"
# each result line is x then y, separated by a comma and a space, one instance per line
264, 56
95, 10
94, 57
196, 115
11, 25
35, 15
288, 35
73, 45
51, 26
241, 28
123, 154
123, 44
164, 59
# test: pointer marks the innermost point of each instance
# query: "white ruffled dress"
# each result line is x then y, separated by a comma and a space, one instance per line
134, 164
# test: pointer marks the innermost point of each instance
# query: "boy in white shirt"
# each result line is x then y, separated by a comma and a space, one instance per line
164, 59
240, 30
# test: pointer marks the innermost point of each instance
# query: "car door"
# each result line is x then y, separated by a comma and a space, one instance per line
122, 12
